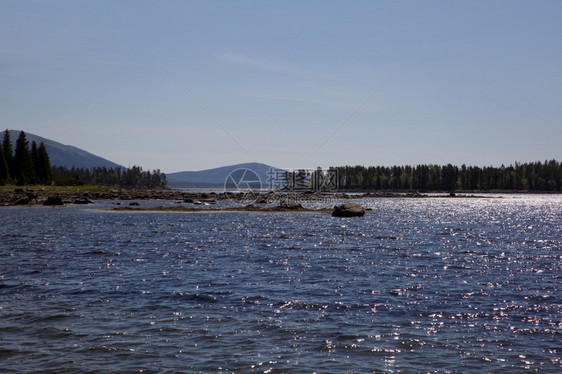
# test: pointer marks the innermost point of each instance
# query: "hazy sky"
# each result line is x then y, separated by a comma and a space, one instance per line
192, 85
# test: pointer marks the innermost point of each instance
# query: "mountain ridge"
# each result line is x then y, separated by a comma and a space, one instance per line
66, 155
217, 177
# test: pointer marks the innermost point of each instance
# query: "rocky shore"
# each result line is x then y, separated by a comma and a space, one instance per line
43, 196
62, 196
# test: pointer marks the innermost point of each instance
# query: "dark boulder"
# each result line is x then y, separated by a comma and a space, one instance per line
290, 206
83, 201
348, 210
22, 201
53, 200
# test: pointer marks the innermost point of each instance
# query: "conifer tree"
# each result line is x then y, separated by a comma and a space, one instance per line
8, 152
34, 162
4, 172
43, 166
23, 163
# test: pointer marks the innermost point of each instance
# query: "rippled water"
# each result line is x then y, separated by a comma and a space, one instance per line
431, 285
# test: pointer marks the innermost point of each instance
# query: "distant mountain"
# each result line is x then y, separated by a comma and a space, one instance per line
245, 175
64, 155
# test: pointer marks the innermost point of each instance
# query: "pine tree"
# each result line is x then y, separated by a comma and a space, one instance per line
23, 163
8, 152
4, 172
34, 162
43, 166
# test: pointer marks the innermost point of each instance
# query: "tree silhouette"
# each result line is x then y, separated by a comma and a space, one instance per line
4, 172
23, 162
8, 152
43, 166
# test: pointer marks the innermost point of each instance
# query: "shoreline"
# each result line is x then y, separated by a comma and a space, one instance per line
30, 196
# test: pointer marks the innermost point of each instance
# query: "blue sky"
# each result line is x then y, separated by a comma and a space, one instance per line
192, 85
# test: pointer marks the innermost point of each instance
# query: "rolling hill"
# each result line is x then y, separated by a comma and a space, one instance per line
216, 178
65, 155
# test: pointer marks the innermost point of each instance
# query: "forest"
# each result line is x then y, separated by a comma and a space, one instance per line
528, 177
25, 165
133, 177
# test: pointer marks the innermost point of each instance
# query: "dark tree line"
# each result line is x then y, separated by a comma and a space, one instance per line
24, 165
133, 177
536, 176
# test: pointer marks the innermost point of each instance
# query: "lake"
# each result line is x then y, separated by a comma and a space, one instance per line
464, 285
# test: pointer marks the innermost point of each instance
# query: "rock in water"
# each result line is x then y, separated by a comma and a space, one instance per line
348, 210
53, 200
290, 206
83, 201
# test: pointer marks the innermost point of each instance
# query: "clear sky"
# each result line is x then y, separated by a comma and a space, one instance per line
192, 85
